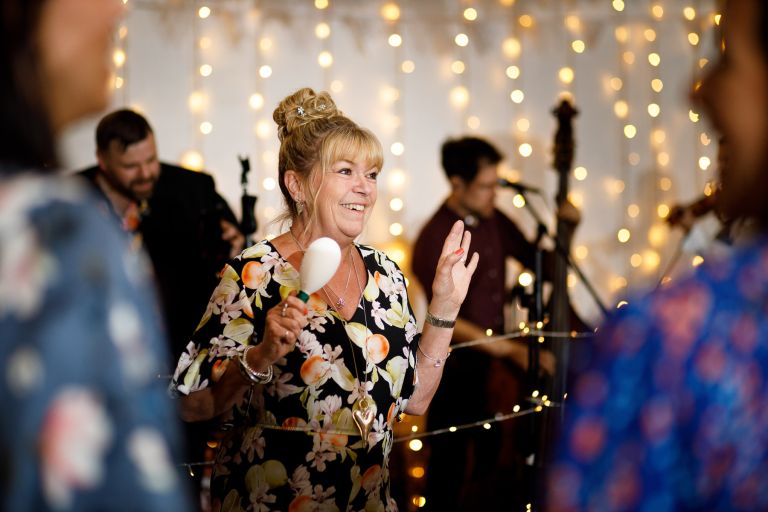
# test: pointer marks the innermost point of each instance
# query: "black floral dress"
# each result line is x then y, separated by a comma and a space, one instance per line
294, 445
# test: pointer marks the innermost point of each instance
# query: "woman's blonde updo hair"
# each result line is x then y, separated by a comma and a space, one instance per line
313, 135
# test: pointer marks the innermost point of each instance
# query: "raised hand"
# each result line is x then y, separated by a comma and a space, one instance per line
453, 273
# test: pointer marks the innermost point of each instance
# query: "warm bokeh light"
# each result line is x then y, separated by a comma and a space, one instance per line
511, 47
322, 30
517, 96
459, 96
197, 102
566, 75
580, 173
192, 159
621, 109
118, 57
525, 149
325, 59
256, 101
461, 39
407, 66
470, 14
396, 204
390, 11
513, 72
269, 183
578, 46
395, 40
623, 235
204, 12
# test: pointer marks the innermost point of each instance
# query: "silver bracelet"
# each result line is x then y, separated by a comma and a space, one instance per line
439, 322
438, 362
249, 373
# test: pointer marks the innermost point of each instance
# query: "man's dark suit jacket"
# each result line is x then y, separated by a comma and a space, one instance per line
181, 232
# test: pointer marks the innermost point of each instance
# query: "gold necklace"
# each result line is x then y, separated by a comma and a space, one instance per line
364, 408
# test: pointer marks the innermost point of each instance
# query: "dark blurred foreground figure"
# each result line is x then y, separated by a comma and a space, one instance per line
86, 425
670, 413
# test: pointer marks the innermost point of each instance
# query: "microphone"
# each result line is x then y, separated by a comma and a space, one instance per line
520, 187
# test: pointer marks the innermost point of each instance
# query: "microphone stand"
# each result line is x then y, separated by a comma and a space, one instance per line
561, 250
248, 223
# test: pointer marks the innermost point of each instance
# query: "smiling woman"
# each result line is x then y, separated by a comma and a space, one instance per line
314, 389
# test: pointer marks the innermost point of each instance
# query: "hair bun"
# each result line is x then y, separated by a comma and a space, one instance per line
301, 108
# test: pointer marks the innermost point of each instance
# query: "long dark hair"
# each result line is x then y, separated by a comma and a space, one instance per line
26, 135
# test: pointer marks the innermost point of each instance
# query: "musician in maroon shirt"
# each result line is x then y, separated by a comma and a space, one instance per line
469, 469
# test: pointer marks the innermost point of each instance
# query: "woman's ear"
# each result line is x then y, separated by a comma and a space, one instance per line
294, 185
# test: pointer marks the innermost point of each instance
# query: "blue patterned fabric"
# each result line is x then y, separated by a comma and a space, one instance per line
671, 413
86, 425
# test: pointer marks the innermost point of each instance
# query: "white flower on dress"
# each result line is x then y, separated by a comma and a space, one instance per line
322, 451
378, 314
126, 332
74, 437
299, 481
308, 344
149, 451
280, 386
24, 370
253, 443
186, 359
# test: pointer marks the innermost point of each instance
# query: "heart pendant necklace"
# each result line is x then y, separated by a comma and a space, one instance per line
364, 409
364, 412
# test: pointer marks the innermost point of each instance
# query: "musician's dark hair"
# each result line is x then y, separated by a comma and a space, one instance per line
26, 134
464, 156
124, 126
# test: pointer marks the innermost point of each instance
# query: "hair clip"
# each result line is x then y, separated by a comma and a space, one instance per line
300, 111
321, 106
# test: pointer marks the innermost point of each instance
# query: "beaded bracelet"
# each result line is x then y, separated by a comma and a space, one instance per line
249, 373
438, 362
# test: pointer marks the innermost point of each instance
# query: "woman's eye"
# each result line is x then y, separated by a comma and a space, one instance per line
373, 176
345, 171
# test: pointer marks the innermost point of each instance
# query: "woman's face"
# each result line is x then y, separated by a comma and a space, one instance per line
735, 94
74, 39
347, 196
